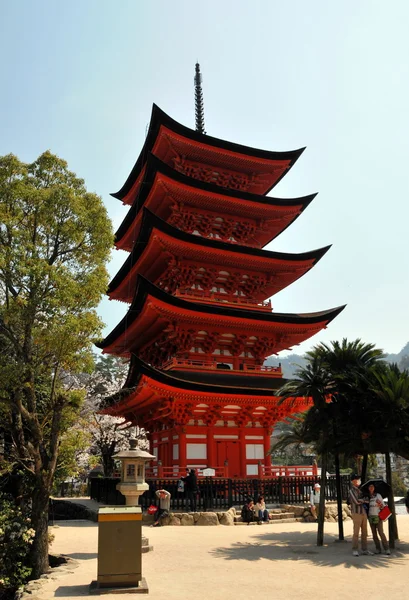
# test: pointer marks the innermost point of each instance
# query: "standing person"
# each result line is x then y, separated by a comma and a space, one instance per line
359, 517
407, 501
260, 509
376, 504
191, 489
315, 500
164, 506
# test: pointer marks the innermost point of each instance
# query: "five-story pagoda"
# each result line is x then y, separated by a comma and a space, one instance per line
200, 323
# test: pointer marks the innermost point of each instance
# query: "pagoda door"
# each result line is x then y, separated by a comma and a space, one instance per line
164, 454
230, 451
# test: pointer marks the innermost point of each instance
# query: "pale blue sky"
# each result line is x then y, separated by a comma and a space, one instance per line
80, 78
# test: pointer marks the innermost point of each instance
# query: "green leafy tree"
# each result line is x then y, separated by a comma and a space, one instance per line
16, 537
55, 239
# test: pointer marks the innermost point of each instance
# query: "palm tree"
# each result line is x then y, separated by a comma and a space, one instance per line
316, 383
391, 424
335, 379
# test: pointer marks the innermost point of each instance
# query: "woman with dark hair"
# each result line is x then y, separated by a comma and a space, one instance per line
247, 512
376, 504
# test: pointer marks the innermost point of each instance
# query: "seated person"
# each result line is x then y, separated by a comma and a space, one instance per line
164, 506
260, 509
247, 512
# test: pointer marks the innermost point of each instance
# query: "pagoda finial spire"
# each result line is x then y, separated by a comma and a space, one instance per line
199, 110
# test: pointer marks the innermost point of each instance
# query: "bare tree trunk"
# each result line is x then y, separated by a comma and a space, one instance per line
393, 526
321, 511
108, 464
364, 467
358, 464
39, 521
339, 498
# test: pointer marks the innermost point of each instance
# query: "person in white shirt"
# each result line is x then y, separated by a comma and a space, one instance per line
315, 500
260, 509
164, 506
376, 504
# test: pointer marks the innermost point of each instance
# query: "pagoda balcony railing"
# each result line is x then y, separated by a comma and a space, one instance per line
215, 298
191, 364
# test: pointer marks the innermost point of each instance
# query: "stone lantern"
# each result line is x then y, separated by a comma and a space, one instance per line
120, 540
133, 462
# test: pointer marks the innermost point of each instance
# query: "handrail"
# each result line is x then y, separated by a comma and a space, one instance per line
212, 297
212, 366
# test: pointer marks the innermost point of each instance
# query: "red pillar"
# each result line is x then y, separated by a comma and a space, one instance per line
182, 451
210, 448
267, 446
243, 461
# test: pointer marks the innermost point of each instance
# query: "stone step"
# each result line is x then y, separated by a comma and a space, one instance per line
273, 517
275, 522
283, 515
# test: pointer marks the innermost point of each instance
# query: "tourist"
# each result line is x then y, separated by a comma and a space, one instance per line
315, 500
359, 516
164, 506
375, 506
247, 512
191, 489
260, 509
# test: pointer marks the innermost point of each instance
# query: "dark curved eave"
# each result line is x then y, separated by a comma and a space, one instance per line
151, 221
139, 368
155, 166
158, 118
145, 288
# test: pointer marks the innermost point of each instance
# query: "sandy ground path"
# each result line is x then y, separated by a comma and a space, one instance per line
235, 563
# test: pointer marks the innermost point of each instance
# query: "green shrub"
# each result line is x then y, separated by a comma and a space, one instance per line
16, 535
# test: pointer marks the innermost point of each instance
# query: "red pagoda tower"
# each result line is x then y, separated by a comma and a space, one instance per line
200, 323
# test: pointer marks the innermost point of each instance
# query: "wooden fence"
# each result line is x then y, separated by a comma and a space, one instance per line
219, 493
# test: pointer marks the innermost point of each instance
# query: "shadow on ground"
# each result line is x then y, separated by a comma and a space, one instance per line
302, 546
82, 555
72, 590
72, 522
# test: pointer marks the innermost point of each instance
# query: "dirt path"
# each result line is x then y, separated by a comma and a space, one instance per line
235, 563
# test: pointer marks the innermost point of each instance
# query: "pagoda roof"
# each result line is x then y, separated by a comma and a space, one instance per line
216, 382
161, 181
152, 310
172, 142
151, 396
157, 238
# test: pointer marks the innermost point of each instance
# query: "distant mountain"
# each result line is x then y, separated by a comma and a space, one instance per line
397, 358
291, 363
